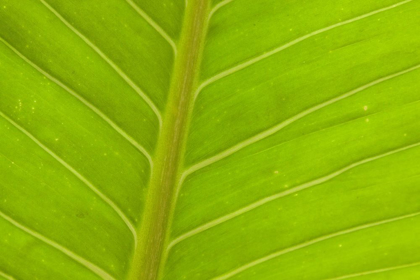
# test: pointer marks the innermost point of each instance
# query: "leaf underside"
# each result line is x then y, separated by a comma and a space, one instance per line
298, 156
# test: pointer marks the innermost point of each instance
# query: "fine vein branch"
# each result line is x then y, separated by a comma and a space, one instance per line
168, 159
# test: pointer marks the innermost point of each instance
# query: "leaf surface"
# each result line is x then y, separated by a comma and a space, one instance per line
198, 139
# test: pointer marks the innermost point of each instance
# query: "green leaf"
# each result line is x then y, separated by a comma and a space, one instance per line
199, 139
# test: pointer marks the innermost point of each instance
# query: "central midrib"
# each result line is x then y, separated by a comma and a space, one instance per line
167, 162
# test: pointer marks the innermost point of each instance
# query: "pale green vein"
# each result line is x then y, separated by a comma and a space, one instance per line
296, 189
108, 201
294, 42
121, 73
376, 271
152, 23
97, 270
83, 101
217, 7
280, 126
309, 243
7, 277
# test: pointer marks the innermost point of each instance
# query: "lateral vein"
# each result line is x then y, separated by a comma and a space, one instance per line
262, 135
84, 102
287, 45
107, 200
276, 196
386, 269
118, 70
217, 7
153, 24
97, 270
6, 276
309, 243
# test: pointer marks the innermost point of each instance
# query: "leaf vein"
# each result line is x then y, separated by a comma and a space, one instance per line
265, 55
276, 196
107, 200
153, 24
6, 276
84, 102
217, 7
97, 270
118, 70
309, 243
386, 269
265, 134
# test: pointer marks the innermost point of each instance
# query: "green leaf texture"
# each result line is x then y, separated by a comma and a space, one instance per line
209, 139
